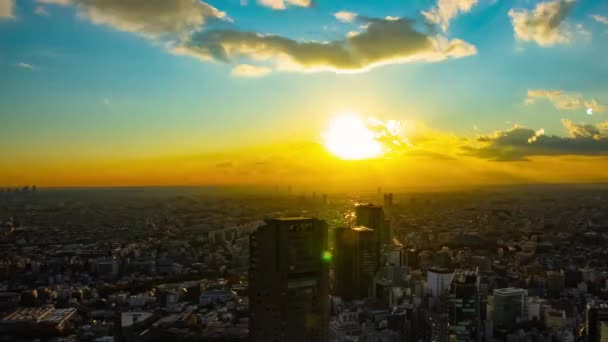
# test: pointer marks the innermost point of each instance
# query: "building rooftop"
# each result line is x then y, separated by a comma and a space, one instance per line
362, 229
287, 219
508, 291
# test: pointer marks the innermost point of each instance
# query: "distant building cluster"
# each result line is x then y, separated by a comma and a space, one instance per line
127, 265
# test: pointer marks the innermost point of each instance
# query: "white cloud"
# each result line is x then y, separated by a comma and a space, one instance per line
600, 18
345, 16
24, 65
447, 10
7, 8
41, 10
248, 70
282, 4
545, 24
563, 100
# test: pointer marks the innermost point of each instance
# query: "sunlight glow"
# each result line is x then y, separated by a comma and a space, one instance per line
349, 138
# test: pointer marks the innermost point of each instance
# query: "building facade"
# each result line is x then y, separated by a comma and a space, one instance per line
288, 281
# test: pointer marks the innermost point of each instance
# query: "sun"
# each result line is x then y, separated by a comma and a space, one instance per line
349, 138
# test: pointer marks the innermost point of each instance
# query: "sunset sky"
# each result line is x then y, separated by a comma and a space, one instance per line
159, 92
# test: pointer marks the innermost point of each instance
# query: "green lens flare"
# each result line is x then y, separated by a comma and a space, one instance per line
326, 256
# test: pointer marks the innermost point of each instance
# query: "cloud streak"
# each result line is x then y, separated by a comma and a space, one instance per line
600, 18
545, 24
383, 42
563, 100
24, 65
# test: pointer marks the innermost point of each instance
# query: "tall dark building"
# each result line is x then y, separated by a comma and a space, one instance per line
596, 322
288, 281
388, 200
464, 307
355, 262
372, 216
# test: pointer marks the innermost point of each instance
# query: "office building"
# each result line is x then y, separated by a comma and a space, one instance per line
464, 306
288, 281
438, 280
509, 305
372, 216
355, 262
596, 321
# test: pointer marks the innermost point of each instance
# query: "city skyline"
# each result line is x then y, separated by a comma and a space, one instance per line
469, 92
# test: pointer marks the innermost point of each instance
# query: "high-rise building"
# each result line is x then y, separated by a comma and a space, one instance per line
438, 280
596, 321
508, 306
355, 262
388, 200
411, 258
372, 216
288, 281
464, 307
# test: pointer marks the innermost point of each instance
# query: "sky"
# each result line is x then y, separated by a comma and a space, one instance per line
155, 92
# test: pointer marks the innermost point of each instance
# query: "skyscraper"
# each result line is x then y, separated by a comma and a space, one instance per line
372, 216
355, 262
596, 322
463, 306
288, 281
508, 306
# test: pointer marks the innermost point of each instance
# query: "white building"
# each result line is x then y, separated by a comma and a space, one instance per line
438, 280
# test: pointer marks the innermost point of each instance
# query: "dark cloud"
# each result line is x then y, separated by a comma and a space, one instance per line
384, 41
518, 143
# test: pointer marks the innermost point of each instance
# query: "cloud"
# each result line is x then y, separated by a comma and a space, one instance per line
41, 10
282, 4
518, 143
563, 100
537, 134
382, 42
153, 19
345, 16
447, 10
600, 18
596, 132
248, 70
544, 25
7, 8
24, 65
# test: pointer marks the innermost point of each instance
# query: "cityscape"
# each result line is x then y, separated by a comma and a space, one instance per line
199, 264
303, 170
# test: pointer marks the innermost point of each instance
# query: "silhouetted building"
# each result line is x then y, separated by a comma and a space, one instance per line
411, 258
355, 262
596, 321
388, 200
464, 307
288, 281
372, 216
